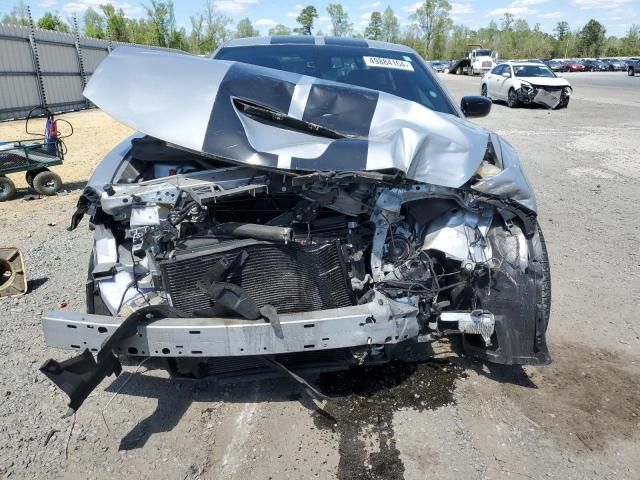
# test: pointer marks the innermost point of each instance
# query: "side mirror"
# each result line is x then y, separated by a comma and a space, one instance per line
506, 75
474, 106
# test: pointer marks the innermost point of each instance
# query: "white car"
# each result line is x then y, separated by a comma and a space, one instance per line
522, 83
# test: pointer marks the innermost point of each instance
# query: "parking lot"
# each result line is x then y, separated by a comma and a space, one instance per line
451, 418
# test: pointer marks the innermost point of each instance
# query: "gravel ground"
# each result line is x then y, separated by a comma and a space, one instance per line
447, 419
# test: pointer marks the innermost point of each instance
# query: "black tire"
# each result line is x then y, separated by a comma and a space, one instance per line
7, 189
564, 102
512, 99
483, 90
631, 72
519, 298
506, 249
47, 183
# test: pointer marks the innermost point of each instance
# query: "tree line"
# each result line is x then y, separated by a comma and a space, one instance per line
431, 30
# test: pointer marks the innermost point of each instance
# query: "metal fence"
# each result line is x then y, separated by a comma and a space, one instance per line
43, 68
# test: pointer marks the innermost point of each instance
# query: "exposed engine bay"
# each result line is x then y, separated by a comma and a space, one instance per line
400, 260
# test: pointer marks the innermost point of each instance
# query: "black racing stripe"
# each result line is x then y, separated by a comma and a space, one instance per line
341, 108
343, 154
345, 42
225, 136
277, 39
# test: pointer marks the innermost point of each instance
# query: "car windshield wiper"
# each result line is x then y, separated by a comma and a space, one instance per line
261, 112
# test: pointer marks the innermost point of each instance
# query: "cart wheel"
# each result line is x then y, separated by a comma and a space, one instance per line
47, 183
7, 189
28, 176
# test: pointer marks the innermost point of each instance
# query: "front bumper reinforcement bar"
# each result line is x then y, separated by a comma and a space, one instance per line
158, 333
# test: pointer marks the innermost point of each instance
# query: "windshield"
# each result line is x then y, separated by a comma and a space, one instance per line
483, 53
532, 71
397, 73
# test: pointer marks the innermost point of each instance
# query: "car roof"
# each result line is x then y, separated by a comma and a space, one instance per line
525, 64
316, 40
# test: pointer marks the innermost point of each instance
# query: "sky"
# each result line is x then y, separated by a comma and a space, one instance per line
616, 15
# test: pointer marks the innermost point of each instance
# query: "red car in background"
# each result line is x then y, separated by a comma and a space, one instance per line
572, 66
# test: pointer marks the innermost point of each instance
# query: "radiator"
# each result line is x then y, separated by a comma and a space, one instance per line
291, 277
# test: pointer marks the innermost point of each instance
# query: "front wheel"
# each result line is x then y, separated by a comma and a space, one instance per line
518, 294
512, 99
483, 90
564, 102
631, 72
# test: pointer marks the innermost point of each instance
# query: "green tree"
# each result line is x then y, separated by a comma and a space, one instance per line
49, 21
374, 29
591, 38
561, 30
630, 43
216, 27
564, 38
245, 29
19, 15
116, 22
196, 36
412, 37
161, 18
280, 29
432, 19
507, 22
460, 37
390, 26
94, 24
305, 19
340, 26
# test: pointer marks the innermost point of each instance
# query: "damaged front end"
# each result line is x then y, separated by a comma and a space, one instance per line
545, 95
199, 256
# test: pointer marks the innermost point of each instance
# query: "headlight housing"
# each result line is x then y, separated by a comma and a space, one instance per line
491, 164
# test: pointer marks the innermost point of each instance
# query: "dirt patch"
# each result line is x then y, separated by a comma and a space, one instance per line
362, 409
586, 398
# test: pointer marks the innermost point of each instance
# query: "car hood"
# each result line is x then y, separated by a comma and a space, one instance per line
546, 81
268, 118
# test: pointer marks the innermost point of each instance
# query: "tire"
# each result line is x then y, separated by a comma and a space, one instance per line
483, 90
631, 72
519, 298
28, 177
460, 72
7, 189
472, 72
564, 103
47, 183
512, 99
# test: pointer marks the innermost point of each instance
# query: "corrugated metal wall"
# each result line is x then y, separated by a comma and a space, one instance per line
45, 68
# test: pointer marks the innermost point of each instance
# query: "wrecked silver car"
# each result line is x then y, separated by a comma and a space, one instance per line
298, 202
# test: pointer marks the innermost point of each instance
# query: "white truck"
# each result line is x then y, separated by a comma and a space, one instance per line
476, 61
